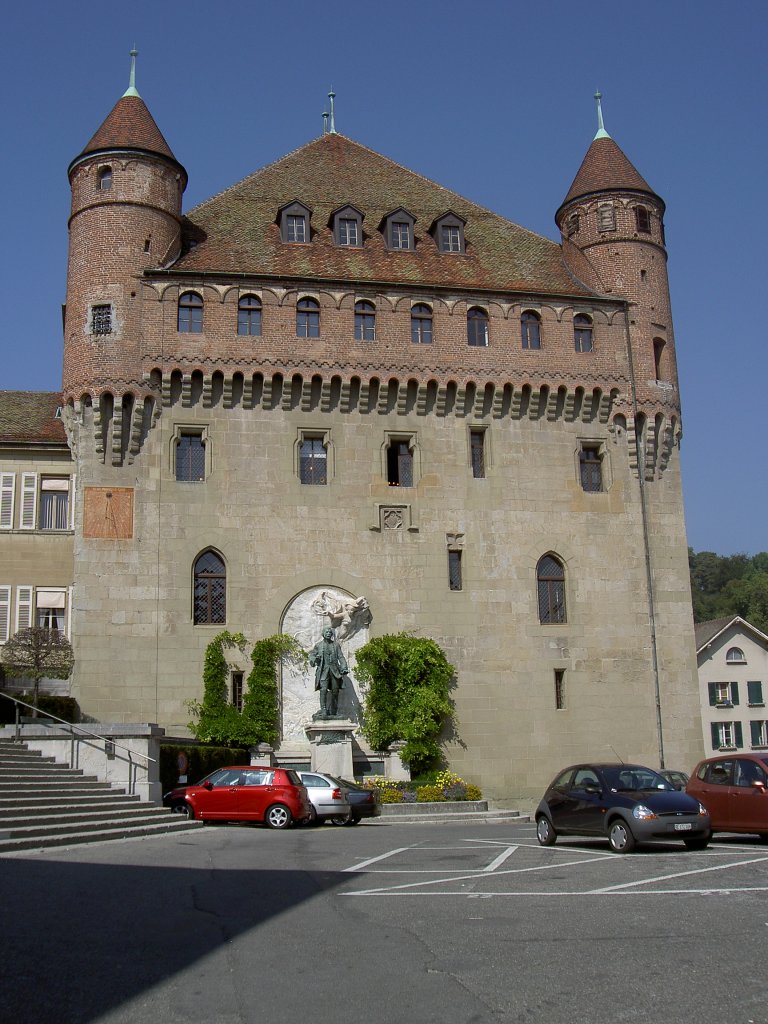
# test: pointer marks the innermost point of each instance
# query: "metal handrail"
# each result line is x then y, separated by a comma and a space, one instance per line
70, 725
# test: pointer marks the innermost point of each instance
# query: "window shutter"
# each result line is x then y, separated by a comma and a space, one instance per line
72, 490
755, 729
23, 607
754, 692
715, 735
712, 693
5, 613
28, 500
69, 611
7, 492
734, 694
739, 734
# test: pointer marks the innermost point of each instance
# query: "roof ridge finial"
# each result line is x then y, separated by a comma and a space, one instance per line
132, 90
332, 97
325, 122
601, 132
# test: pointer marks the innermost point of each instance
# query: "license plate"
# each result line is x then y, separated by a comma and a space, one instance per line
684, 827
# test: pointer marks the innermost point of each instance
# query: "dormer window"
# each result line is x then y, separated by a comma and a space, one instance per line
348, 227
398, 230
294, 223
105, 178
448, 233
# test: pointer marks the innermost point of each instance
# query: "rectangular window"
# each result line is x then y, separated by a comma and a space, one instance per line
190, 457
101, 319
5, 613
723, 694
450, 238
237, 690
560, 689
454, 570
54, 503
759, 733
401, 235
348, 231
313, 461
755, 693
477, 452
399, 464
296, 228
726, 734
591, 468
606, 217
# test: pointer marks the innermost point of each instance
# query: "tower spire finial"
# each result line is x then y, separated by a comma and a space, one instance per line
601, 132
132, 90
332, 97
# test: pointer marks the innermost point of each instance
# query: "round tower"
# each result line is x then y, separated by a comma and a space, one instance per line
612, 227
127, 188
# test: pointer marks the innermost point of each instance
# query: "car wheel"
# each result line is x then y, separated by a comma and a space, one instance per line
620, 838
312, 818
185, 810
545, 831
342, 819
697, 843
278, 816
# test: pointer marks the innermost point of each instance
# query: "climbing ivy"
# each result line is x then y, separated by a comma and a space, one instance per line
215, 720
406, 682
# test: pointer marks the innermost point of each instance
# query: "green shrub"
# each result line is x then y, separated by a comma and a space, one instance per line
391, 796
429, 794
473, 792
63, 707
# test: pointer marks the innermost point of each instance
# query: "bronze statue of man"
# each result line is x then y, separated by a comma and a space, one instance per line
330, 669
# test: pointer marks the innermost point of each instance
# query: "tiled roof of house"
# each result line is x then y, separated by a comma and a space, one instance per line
30, 417
605, 168
237, 231
706, 631
129, 125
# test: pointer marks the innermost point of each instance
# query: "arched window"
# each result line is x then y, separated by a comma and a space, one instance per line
210, 590
477, 327
307, 318
365, 321
190, 313
550, 582
735, 655
582, 333
530, 329
421, 324
105, 178
249, 315
642, 220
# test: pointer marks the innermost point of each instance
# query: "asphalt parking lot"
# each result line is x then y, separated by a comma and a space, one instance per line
417, 923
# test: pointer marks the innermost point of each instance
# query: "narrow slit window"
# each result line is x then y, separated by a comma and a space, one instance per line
454, 570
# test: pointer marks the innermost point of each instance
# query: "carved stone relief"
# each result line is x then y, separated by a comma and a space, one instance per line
305, 619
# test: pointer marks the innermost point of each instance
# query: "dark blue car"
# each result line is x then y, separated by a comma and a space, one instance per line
626, 803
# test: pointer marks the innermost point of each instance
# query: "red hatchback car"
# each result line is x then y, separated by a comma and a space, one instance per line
275, 796
734, 789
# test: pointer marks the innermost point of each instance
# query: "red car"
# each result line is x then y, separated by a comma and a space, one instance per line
734, 789
250, 793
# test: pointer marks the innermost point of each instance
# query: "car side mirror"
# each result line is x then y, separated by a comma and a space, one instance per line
757, 784
592, 787
207, 785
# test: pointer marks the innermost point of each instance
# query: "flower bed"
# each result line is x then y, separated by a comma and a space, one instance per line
444, 786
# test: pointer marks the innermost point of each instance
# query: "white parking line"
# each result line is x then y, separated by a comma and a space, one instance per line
500, 859
677, 874
375, 860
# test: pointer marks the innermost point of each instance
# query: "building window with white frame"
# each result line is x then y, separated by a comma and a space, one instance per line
759, 733
735, 656
726, 735
54, 503
723, 695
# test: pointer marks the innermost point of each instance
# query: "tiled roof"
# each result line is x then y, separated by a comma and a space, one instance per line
129, 125
606, 168
30, 417
706, 631
237, 231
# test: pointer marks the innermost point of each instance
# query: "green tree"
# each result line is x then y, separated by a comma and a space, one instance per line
36, 653
406, 682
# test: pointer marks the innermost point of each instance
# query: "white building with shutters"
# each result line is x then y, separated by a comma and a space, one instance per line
733, 681
36, 517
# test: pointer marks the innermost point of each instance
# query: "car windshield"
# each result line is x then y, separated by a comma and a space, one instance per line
633, 778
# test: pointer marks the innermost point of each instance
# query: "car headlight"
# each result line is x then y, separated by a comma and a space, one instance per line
703, 810
642, 812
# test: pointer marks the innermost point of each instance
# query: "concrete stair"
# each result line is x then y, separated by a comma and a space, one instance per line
44, 803
473, 812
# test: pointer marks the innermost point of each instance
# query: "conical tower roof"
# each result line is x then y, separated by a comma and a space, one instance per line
129, 125
605, 168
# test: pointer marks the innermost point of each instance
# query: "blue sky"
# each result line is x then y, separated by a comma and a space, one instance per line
492, 99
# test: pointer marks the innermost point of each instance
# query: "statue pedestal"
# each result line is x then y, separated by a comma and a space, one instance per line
330, 742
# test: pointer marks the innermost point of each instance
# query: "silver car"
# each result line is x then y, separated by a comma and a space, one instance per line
328, 798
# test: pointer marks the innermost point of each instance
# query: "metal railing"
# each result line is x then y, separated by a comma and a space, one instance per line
77, 732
